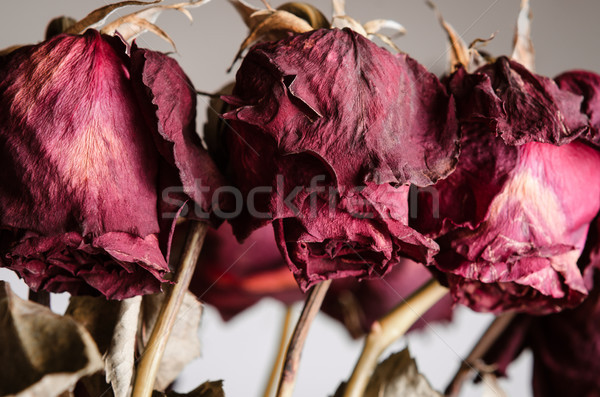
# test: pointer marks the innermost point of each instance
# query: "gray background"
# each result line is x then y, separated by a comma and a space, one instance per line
565, 35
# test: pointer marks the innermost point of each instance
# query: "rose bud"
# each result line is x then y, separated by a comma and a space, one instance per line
512, 219
357, 304
325, 121
232, 276
89, 138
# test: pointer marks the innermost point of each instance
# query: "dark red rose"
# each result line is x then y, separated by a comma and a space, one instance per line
233, 276
586, 84
91, 132
357, 304
512, 219
322, 121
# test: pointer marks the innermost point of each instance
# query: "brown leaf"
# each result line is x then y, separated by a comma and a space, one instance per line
113, 325
523, 51
183, 345
207, 389
98, 17
459, 52
398, 376
8, 50
58, 25
47, 353
246, 10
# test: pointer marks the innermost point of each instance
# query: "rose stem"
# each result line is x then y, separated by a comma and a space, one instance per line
283, 344
41, 297
388, 329
150, 360
292, 359
481, 347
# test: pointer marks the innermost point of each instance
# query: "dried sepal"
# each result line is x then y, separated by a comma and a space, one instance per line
43, 354
98, 17
273, 25
207, 389
369, 29
523, 51
309, 13
461, 54
132, 25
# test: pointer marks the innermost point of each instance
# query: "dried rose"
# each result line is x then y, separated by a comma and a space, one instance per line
357, 304
317, 117
90, 133
512, 219
586, 84
232, 276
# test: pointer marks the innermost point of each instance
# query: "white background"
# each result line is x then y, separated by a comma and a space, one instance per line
240, 352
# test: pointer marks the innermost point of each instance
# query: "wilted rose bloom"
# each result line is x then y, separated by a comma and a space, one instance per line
316, 118
90, 134
233, 276
357, 304
512, 219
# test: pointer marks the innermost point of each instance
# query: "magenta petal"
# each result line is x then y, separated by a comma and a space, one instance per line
518, 105
363, 236
174, 111
587, 85
117, 265
74, 150
332, 93
524, 254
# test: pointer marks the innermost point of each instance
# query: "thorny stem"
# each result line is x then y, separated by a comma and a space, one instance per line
486, 341
150, 361
283, 344
387, 330
292, 359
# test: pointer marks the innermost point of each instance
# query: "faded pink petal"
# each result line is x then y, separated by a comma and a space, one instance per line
363, 236
81, 191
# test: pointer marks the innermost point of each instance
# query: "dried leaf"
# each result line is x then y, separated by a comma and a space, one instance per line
59, 25
97, 17
398, 376
133, 26
119, 361
523, 51
47, 353
491, 388
10, 49
183, 345
113, 325
207, 389
339, 8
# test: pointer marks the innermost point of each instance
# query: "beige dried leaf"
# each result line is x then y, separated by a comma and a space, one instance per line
184, 343
344, 21
491, 388
339, 7
47, 353
119, 360
113, 325
134, 26
98, 17
398, 376
460, 54
523, 51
